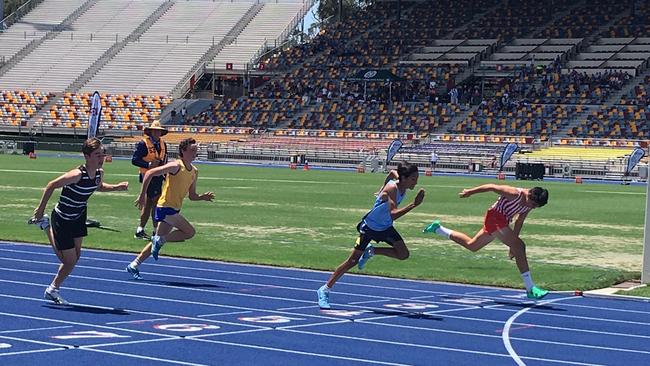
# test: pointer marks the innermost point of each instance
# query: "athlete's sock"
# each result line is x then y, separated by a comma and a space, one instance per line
136, 262
443, 231
528, 280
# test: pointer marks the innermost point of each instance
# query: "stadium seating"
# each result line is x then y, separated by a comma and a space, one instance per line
119, 111
345, 115
245, 112
518, 119
17, 107
617, 122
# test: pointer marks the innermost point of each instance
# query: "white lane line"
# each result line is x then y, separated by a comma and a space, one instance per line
137, 321
34, 329
461, 350
36, 342
158, 299
222, 314
90, 325
182, 317
141, 357
31, 351
505, 335
361, 360
300, 277
589, 318
196, 289
431, 294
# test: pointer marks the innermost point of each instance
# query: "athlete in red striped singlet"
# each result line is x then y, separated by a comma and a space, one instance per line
511, 202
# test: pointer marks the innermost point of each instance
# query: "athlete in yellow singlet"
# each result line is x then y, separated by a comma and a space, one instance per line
179, 183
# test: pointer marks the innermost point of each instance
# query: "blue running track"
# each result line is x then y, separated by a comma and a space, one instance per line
191, 312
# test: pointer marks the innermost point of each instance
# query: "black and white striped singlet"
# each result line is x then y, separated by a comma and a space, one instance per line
72, 203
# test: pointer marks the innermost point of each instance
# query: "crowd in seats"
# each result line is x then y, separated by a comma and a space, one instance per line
518, 20
247, 112
617, 122
517, 118
345, 115
639, 95
374, 38
318, 143
554, 86
586, 19
119, 111
17, 107
633, 25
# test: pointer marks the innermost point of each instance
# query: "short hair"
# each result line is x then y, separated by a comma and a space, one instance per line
405, 169
91, 145
185, 144
539, 195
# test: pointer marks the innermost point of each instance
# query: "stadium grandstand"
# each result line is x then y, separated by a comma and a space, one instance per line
458, 77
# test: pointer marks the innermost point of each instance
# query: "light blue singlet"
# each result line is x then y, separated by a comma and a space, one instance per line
379, 219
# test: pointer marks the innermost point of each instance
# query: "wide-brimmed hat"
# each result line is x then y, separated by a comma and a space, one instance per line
155, 125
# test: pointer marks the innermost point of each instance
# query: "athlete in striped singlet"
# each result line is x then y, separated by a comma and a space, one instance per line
68, 223
511, 202
180, 181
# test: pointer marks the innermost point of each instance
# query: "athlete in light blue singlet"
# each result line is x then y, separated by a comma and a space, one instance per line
377, 225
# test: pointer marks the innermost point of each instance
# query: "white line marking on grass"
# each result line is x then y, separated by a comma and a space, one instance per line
505, 335
612, 192
34, 329
32, 351
320, 182
141, 357
361, 360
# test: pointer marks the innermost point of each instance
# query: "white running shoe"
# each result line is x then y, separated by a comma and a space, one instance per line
43, 223
55, 297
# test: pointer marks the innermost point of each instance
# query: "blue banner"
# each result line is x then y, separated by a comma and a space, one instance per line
95, 114
507, 153
393, 148
634, 159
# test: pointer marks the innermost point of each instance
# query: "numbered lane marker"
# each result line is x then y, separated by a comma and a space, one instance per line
88, 334
186, 327
268, 319
411, 306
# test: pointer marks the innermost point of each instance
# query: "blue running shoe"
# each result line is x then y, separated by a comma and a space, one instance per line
432, 227
155, 246
323, 297
367, 254
134, 272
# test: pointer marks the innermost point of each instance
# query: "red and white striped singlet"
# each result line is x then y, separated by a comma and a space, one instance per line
510, 208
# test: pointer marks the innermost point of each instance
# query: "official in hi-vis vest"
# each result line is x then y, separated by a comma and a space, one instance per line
150, 153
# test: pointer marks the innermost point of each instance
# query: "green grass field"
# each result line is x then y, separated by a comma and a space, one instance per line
588, 236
